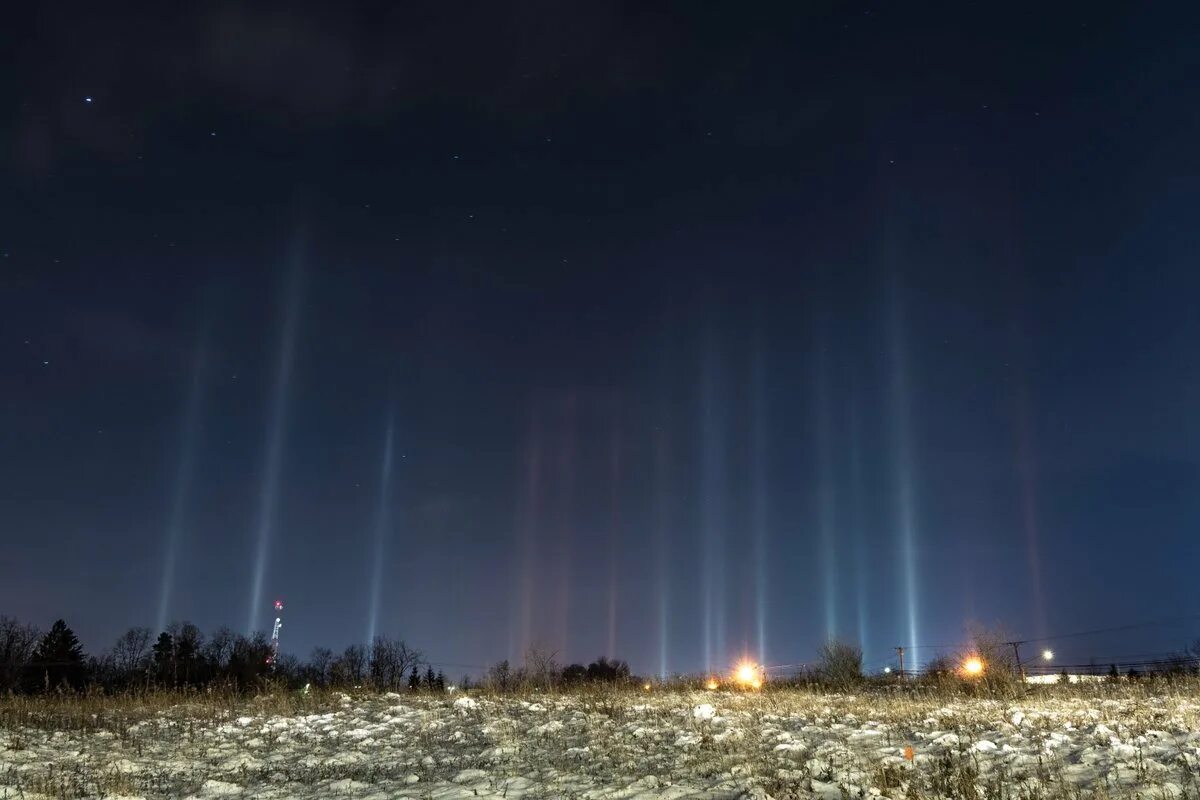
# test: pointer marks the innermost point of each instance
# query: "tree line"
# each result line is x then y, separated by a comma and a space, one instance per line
543, 672
32, 661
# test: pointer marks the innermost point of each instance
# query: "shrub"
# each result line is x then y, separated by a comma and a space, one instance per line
840, 664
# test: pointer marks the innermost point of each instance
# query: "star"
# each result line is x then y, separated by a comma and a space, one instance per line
87, 99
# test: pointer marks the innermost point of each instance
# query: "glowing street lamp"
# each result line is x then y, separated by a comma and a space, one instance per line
748, 675
973, 667
1047, 655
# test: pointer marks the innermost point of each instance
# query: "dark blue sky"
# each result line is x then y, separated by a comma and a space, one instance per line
701, 330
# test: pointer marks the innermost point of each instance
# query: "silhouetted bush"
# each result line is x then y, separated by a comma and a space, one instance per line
574, 674
840, 665
604, 670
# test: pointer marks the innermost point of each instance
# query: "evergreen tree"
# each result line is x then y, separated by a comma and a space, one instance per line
430, 678
414, 680
188, 644
440, 682
499, 676
58, 660
163, 655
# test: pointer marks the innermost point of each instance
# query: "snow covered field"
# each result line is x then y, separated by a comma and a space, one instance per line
784, 743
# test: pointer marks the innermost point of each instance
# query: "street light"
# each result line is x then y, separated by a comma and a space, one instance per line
1047, 655
748, 675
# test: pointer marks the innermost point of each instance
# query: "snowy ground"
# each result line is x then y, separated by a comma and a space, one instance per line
617, 745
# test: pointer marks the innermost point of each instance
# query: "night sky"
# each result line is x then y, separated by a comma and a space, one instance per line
668, 331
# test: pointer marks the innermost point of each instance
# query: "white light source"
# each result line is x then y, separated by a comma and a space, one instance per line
1047, 655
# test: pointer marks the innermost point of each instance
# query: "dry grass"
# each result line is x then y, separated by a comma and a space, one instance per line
625, 732
116, 712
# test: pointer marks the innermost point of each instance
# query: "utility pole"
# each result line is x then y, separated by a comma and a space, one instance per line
900, 652
1016, 646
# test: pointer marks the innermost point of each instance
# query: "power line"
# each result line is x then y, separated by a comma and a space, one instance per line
455, 665
1072, 635
1114, 629
1163, 658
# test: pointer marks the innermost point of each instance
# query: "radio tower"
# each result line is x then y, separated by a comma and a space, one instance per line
271, 659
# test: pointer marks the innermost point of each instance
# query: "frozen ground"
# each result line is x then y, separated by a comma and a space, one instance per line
615, 745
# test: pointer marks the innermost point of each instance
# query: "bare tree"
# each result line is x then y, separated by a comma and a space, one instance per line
992, 644
189, 646
17, 641
287, 667
541, 668
350, 667
318, 665
499, 677
391, 659
131, 652
220, 648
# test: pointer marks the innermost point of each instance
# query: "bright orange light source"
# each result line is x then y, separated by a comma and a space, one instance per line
711, 685
646, 686
748, 674
973, 666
